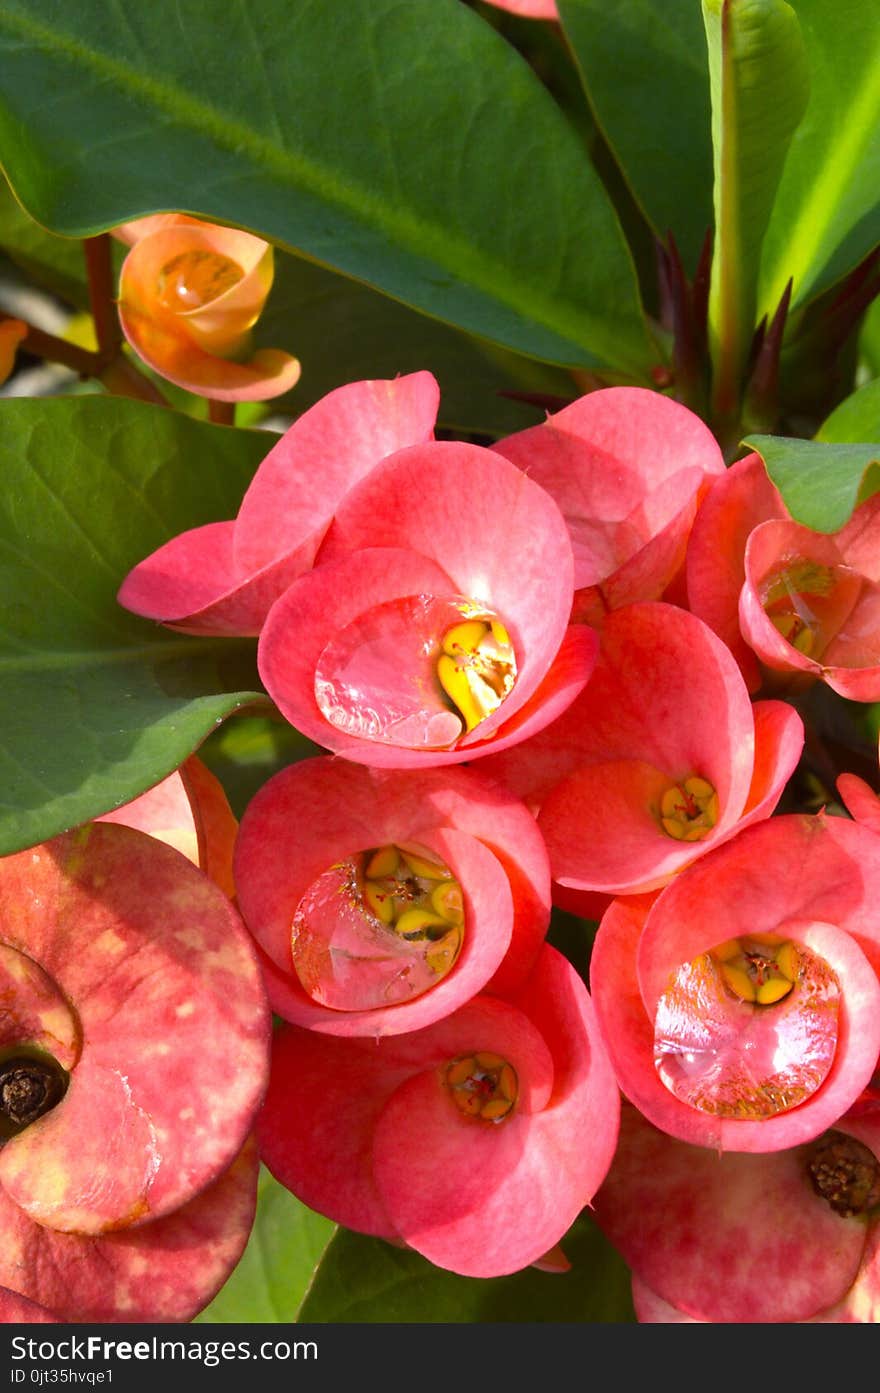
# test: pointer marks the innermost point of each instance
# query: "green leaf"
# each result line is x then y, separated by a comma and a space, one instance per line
827, 213
869, 340
405, 144
820, 483
55, 262
345, 332
97, 705
759, 84
246, 751
855, 419
286, 1244
644, 67
363, 1279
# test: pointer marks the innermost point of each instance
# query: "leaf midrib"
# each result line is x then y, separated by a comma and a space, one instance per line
414, 235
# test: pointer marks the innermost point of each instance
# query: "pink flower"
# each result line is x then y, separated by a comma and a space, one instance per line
224, 577
189, 294
797, 602
741, 1007
385, 900
787, 1237
433, 628
861, 801
661, 758
627, 468
128, 984
476, 1141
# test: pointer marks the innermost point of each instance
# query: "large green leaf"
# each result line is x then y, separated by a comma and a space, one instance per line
406, 144
856, 418
827, 213
56, 262
821, 483
645, 70
759, 84
98, 705
286, 1244
363, 1279
343, 331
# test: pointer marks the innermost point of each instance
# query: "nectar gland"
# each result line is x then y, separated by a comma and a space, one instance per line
689, 810
482, 1085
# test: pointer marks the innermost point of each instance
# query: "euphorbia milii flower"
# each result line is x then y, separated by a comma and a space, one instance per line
189, 294
627, 467
223, 578
476, 1141
164, 1270
797, 602
433, 628
787, 1237
385, 899
189, 811
130, 984
741, 1008
661, 757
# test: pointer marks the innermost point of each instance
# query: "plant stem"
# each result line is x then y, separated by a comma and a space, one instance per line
99, 268
56, 350
222, 413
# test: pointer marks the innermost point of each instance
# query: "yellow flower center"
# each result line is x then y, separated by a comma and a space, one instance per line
482, 1085
786, 595
196, 277
689, 810
477, 666
762, 969
414, 893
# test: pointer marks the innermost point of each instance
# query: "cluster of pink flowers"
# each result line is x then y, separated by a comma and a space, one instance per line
533, 667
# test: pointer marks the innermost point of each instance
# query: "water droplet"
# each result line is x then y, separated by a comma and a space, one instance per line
196, 277
378, 679
378, 929
808, 602
740, 1042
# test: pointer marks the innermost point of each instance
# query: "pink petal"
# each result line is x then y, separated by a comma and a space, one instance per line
736, 503
166, 1270
694, 1227
861, 801
610, 461
326, 451
193, 584
501, 540
341, 807
162, 976
779, 744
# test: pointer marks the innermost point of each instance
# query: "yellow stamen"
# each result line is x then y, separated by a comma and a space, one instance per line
482, 1085
762, 968
689, 810
411, 891
476, 667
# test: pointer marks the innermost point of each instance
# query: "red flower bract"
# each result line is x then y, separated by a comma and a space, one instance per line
752, 1239
660, 758
741, 1008
627, 468
301, 886
476, 1141
223, 578
445, 556
129, 983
